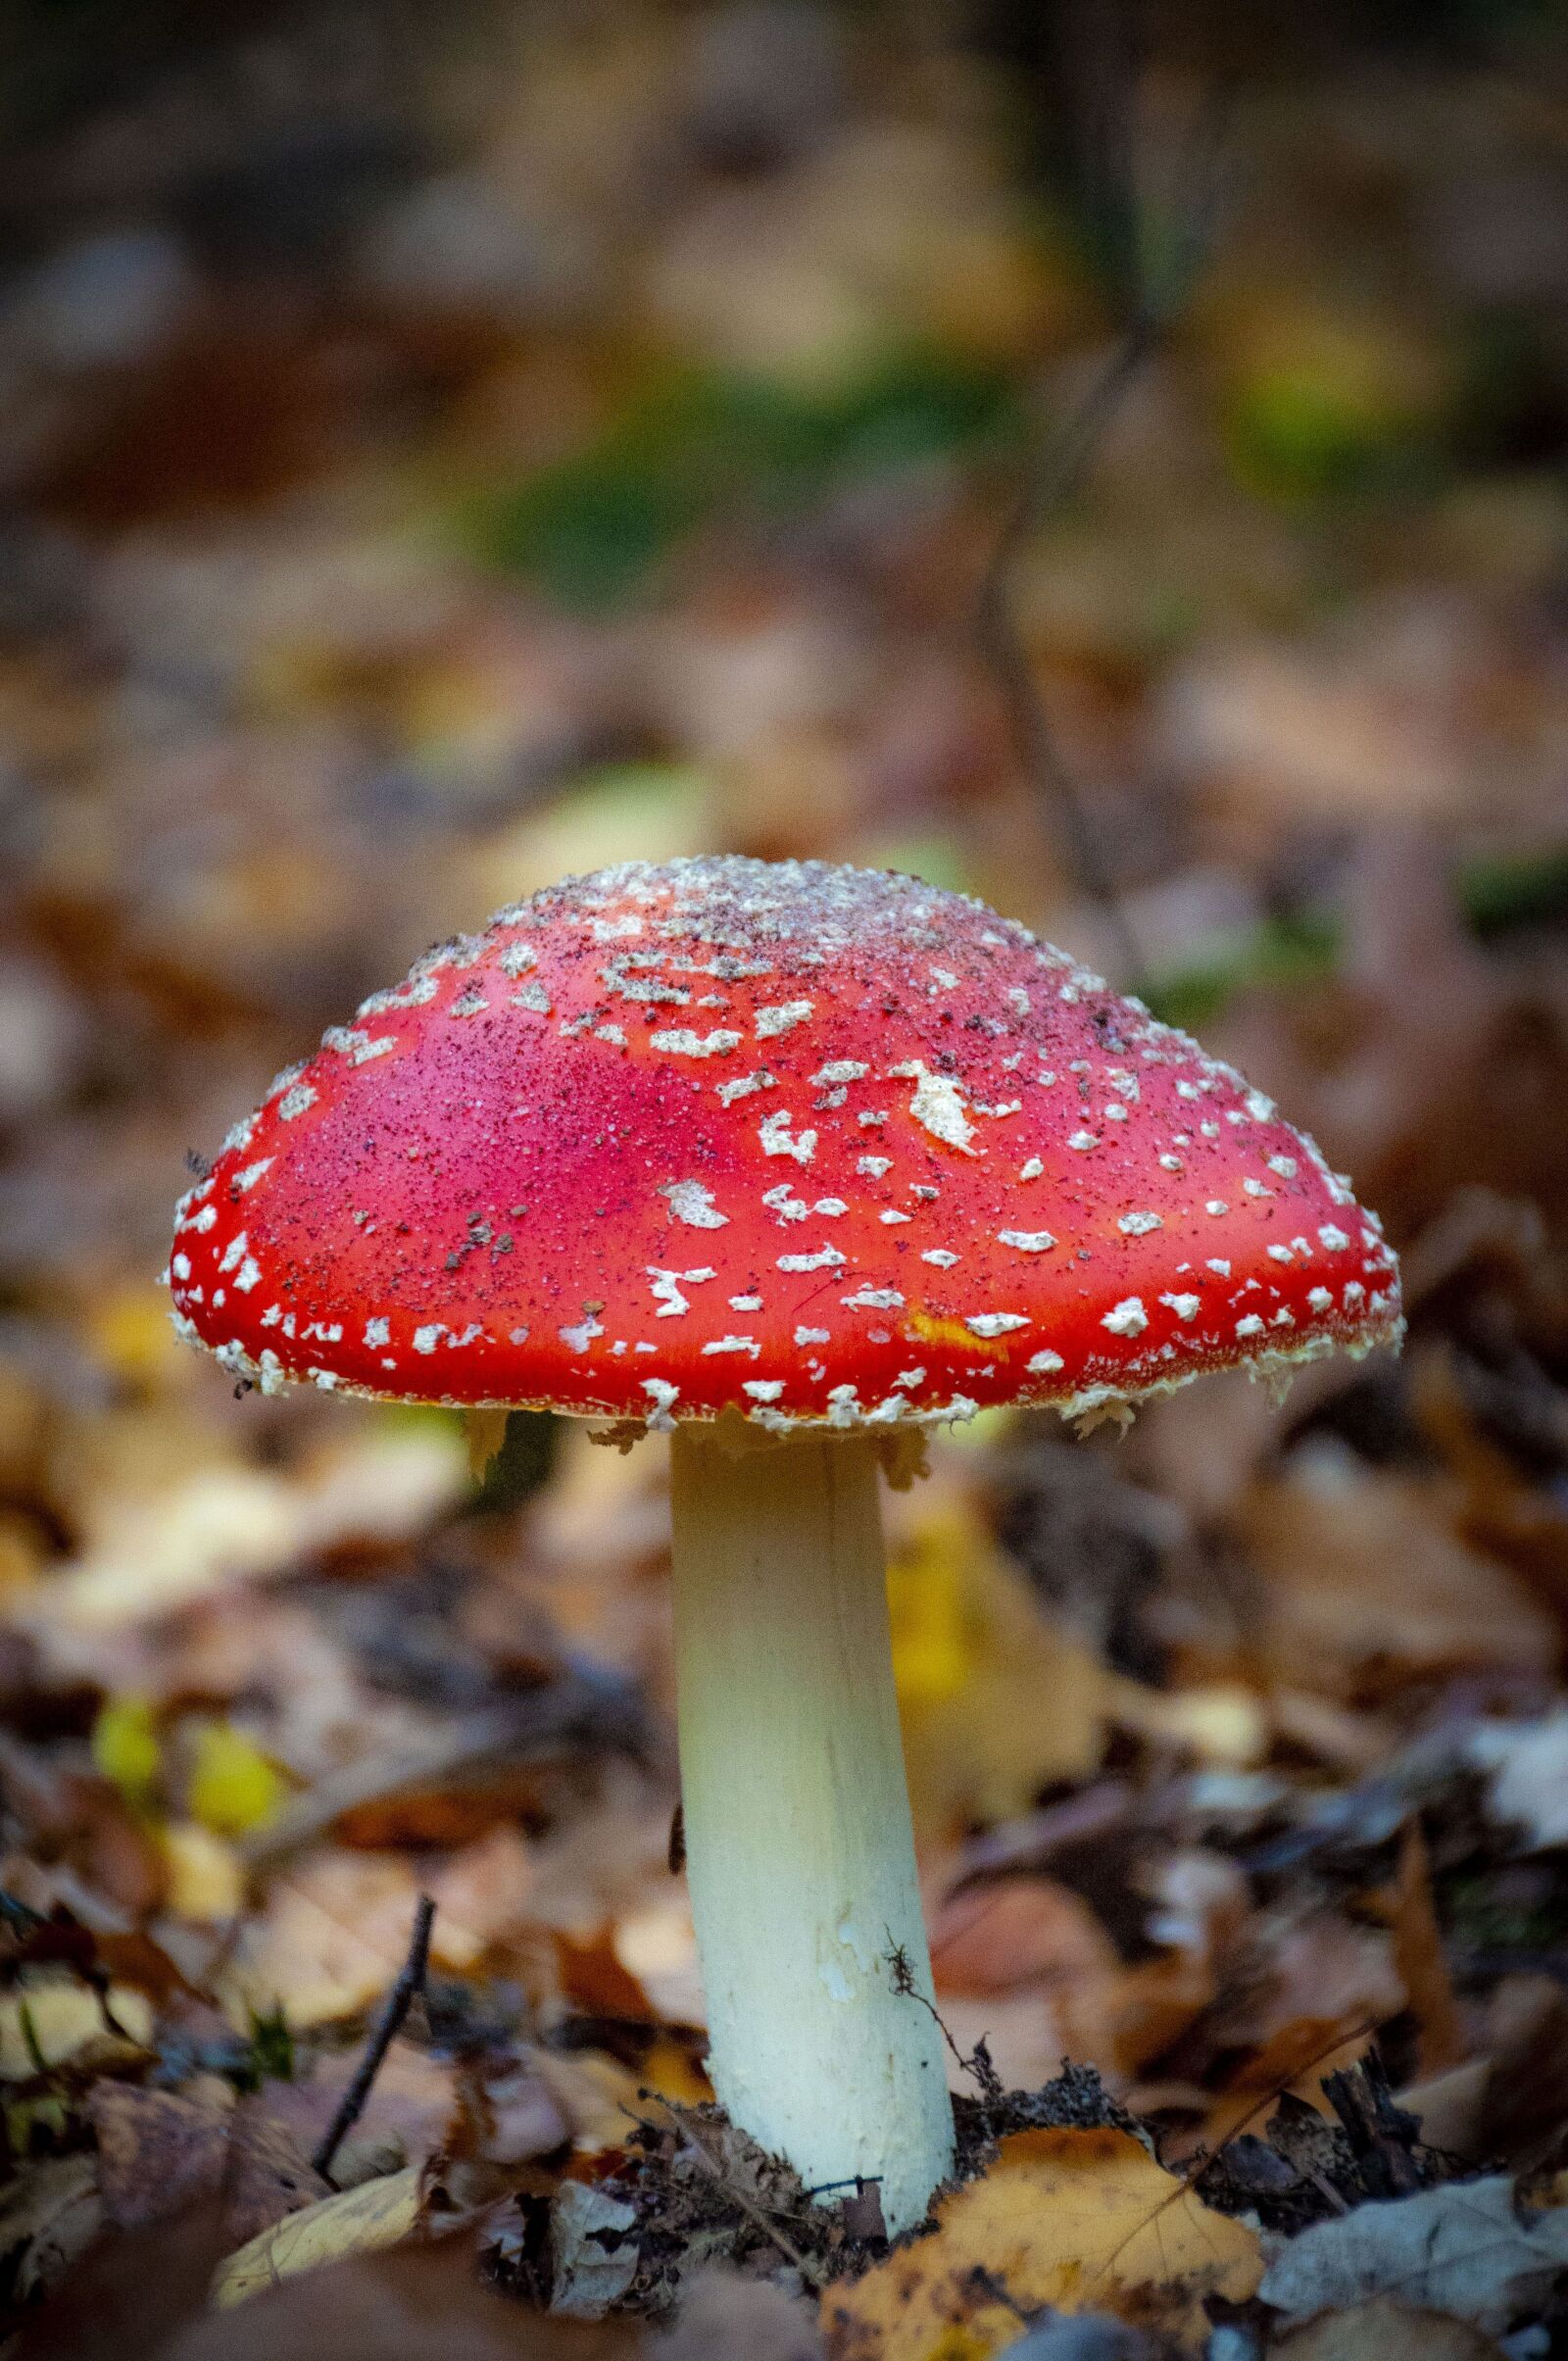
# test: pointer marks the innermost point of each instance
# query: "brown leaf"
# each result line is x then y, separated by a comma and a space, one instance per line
1418, 1955
143, 2299
1386, 2332
994, 1938
594, 1979
158, 2153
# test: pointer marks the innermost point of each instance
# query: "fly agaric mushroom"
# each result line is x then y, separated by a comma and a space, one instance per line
787, 1161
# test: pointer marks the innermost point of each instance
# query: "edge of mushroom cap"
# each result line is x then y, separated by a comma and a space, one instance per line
1275, 1366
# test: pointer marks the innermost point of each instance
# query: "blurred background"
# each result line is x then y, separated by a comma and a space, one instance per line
1107, 460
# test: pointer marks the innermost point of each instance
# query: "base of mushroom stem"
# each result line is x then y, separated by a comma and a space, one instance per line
800, 1851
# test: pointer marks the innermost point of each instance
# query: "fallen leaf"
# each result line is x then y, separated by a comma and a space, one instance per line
1384, 2331
991, 1938
1363, 1569
336, 1928
1418, 1955
356, 2221
723, 2317
232, 1787
49, 2217
56, 2018
206, 1877
141, 2300
158, 2152
973, 1655
1081, 2220
595, 1980
593, 2258
1462, 2249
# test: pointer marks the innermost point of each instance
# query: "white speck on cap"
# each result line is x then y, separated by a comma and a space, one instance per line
744, 1085
778, 1140
827, 1258
763, 1389
294, 1102
1126, 1318
667, 1287
995, 1323
1333, 1239
937, 1105
1027, 1242
1045, 1364
693, 1204
1138, 1225
941, 1256
1083, 1141
1186, 1307
873, 1299
1250, 1324
378, 1333
783, 1018
681, 1041
812, 1336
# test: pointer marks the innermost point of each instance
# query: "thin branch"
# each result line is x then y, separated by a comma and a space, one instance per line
398, 2000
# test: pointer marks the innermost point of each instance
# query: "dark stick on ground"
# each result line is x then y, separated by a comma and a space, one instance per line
1149, 302
398, 2000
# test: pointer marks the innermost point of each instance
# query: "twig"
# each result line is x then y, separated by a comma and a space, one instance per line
399, 2002
1051, 481
979, 2064
737, 2196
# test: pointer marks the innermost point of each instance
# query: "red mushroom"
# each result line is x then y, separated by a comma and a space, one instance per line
782, 1158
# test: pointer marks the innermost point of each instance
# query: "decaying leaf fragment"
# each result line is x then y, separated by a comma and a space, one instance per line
1464, 2249
1082, 2220
593, 2256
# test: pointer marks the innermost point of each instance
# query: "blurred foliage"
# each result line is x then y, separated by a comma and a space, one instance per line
233, 1788
591, 528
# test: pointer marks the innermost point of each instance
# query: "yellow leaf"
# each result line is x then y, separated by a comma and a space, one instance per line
357, 2221
973, 1657
232, 1787
1081, 2220
206, 1877
126, 1746
56, 2018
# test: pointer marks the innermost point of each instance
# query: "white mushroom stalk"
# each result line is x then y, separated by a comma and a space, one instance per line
800, 1849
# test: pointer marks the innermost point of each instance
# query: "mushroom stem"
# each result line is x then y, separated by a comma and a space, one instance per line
799, 1841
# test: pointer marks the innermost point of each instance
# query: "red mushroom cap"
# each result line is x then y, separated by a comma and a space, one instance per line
812, 1142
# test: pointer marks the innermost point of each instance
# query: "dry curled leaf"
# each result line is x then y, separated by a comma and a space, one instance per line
356, 2221
1081, 2220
